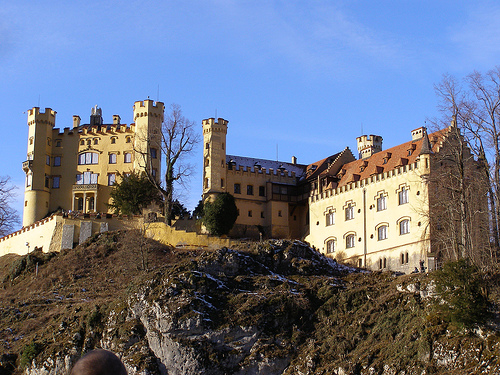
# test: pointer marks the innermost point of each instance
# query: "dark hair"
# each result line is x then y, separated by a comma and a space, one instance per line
99, 362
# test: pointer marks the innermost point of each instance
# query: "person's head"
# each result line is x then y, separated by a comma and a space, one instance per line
99, 362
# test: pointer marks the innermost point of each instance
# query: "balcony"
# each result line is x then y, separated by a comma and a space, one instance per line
85, 187
27, 165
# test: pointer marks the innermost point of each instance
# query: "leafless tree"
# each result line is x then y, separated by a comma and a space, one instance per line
473, 105
177, 140
8, 216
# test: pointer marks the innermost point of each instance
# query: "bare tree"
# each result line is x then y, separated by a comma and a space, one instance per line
8, 216
177, 140
473, 106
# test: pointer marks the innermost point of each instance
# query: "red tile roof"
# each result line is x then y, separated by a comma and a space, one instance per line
386, 160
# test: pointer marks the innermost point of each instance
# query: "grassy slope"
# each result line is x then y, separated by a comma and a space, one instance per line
357, 322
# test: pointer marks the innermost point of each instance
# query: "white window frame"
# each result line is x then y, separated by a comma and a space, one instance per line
111, 179
349, 212
404, 227
350, 241
403, 196
382, 232
330, 246
381, 202
330, 218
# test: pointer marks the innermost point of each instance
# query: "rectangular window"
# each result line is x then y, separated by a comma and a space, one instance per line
237, 189
111, 179
153, 172
250, 213
381, 203
55, 182
29, 179
349, 212
127, 157
221, 182
86, 178
47, 159
349, 241
47, 181
57, 161
112, 158
153, 153
403, 196
249, 189
79, 179
330, 218
262, 214
262, 191
279, 213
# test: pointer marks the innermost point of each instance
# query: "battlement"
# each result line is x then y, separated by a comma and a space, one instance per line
47, 117
148, 108
211, 122
103, 129
369, 145
361, 183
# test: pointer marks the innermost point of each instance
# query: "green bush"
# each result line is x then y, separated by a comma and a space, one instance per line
219, 216
29, 353
463, 294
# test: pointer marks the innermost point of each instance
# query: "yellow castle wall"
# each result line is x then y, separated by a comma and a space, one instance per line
363, 196
47, 144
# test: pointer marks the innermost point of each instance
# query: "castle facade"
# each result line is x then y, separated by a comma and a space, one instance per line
73, 169
374, 211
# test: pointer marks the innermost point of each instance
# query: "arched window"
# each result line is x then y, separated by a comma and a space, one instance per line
404, 226
382, 232
330, 246
349, 241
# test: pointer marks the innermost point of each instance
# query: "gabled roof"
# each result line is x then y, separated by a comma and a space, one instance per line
329, 166
386, 160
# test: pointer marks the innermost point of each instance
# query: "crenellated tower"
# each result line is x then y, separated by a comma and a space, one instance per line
148, 118
214, 156
38, 166
369, 145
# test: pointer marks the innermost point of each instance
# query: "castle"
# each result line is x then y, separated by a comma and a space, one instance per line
374, 211
74, 169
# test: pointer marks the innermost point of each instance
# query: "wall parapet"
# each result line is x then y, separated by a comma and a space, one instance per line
376, 178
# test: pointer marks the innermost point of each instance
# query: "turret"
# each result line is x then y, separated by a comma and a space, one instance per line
369, 145
148, 118
38, 164
214, 156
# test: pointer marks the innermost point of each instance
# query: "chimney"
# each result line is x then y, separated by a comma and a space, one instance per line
294, 160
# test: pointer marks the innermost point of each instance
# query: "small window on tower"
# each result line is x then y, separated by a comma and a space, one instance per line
113, 140
128, 139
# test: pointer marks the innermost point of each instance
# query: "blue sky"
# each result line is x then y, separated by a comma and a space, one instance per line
303, 77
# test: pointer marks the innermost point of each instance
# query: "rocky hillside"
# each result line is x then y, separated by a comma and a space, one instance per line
263, 308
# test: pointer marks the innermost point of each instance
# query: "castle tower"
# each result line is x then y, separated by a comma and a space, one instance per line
148, 118
214, 156
38, 164
369, 145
